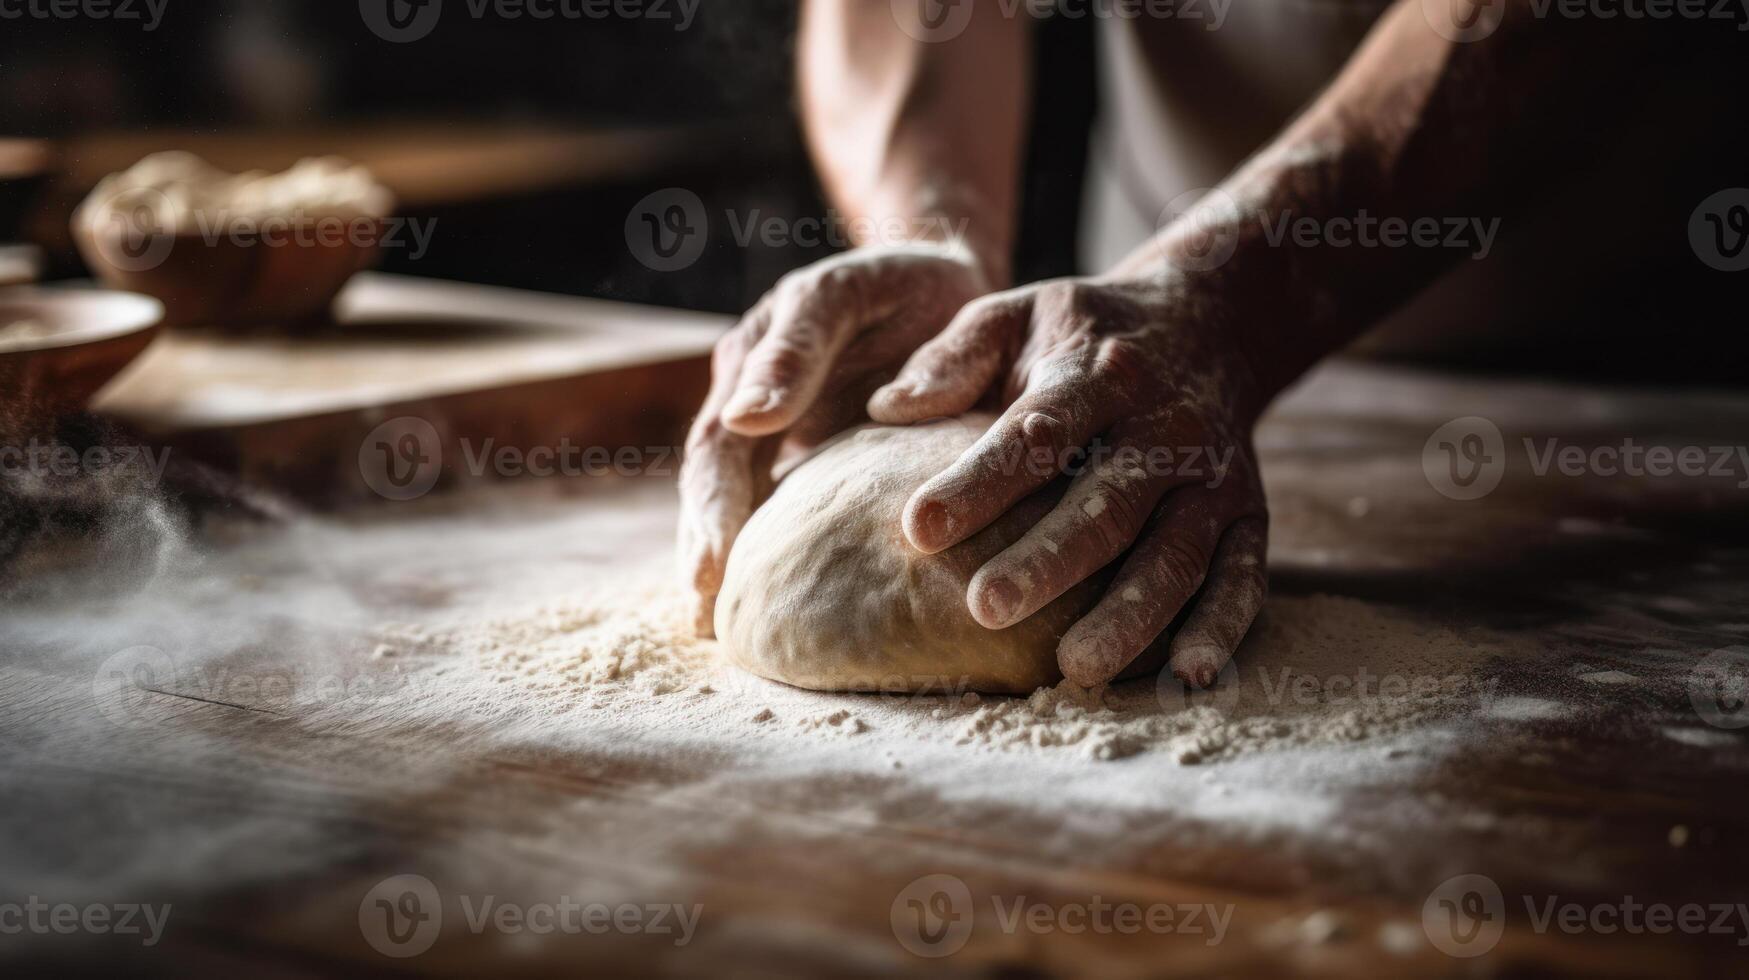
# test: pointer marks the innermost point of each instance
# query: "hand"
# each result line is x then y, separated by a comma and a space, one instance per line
1148, 373
800, 367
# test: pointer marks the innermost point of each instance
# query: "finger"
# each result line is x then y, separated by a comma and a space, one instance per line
949, 373
1162, 574
1099, 517
1238, 584
1024, 450
785, 371
720, 488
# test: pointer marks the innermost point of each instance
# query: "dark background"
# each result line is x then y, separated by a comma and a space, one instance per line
252, 65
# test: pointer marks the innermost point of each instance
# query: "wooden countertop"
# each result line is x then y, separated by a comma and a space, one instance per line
268, 830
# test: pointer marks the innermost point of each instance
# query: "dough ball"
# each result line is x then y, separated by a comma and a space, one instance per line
822, 590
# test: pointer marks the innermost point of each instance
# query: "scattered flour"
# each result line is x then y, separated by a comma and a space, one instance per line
1317, 671
1526, 709
1608, 677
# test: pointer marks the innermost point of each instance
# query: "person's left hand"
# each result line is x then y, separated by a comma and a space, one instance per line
1149, 373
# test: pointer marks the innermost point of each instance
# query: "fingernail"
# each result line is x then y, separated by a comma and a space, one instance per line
901, 388
1083, 660
754, 400
1000, 600
1197, 666
929, 526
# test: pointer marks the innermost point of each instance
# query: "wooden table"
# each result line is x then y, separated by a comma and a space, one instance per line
468, 365
268, 829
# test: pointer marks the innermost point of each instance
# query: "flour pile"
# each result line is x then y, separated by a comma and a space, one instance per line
1317, 670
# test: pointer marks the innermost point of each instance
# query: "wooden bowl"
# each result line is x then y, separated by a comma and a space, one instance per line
223, 279
74, 342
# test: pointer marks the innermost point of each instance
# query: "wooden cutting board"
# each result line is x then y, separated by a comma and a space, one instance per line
454, 364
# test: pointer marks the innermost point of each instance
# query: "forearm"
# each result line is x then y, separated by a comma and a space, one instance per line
921, 136
1419, 131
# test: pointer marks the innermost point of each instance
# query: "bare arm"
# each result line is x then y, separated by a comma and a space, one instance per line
1173, 355
906, 128
1417, 127
918, 144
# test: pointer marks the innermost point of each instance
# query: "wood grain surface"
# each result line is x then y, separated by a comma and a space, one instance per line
290, 408
268, 820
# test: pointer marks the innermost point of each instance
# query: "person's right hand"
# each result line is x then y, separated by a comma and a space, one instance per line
799, 368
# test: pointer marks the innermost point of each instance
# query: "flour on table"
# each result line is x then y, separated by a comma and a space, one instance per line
1316, 671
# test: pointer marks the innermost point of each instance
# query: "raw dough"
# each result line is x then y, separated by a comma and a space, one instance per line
822, 590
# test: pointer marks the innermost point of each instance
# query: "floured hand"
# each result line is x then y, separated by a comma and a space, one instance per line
1146, 373
800, 367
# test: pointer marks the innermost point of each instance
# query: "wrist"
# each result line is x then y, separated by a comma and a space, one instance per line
955, 218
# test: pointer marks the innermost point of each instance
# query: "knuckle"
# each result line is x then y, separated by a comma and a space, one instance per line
1121, 361
983, 313
734, 345
783, 361
1179, 567
1117, 514
1064, 295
